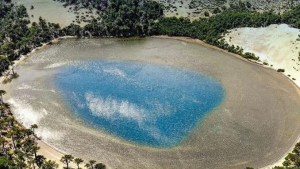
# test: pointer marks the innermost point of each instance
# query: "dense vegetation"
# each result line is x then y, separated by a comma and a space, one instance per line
126, 18
212, 29
97, 4
17, 38
292, 161
121, 18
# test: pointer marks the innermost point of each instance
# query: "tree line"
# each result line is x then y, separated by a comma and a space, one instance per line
121, 18
212, 29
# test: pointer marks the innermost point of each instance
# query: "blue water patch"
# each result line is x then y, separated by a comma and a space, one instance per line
145, 104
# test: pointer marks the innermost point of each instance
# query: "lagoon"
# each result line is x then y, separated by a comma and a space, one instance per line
253, 110
143, 103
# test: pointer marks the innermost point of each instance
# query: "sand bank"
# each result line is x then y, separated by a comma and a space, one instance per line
275, 45
243, 131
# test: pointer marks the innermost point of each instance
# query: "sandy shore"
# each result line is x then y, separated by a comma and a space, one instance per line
280, 160
278, 46
49, 152
113, 153
24, 57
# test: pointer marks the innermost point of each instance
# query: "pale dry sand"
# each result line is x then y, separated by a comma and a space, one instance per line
277, 45
255, 117
52, 11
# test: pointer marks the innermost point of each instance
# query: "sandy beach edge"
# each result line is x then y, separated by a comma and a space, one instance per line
54, 154
51, 153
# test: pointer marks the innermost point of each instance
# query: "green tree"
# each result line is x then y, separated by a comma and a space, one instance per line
39, 160
78, 161
67, 159
100, 166
2, 92
33, 127
3, 163
49, 165
92, 163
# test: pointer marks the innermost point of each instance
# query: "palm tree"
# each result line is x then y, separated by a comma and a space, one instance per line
11, 134
2, 142
88, 166
49, 165
78, 161
39, 160
34, 149
20, 160
11, 121
100, 166
2, 92
32, 127
92, 163
28, 132
3, 108
67, 159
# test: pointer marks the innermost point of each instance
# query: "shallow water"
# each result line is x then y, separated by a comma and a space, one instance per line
144, 103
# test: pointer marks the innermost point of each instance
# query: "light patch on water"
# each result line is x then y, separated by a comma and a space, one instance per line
25, 113
110, 108
115, 71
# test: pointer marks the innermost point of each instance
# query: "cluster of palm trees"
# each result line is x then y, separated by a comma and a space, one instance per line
92, 164
19, 148
18, 144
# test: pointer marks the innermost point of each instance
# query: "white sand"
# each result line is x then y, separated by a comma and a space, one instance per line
277, 45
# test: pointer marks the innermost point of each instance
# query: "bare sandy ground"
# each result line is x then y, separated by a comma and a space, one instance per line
277, 45
52, 11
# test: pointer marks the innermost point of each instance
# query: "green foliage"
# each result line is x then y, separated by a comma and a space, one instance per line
3, 163
17, 37
97, 4
212, 29
292, 17
126, 18
292, 160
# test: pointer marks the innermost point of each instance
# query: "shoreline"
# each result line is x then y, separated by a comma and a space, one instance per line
280, 160
53, 154
24, 57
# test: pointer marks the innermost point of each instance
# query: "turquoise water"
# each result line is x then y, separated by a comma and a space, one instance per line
145, 104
